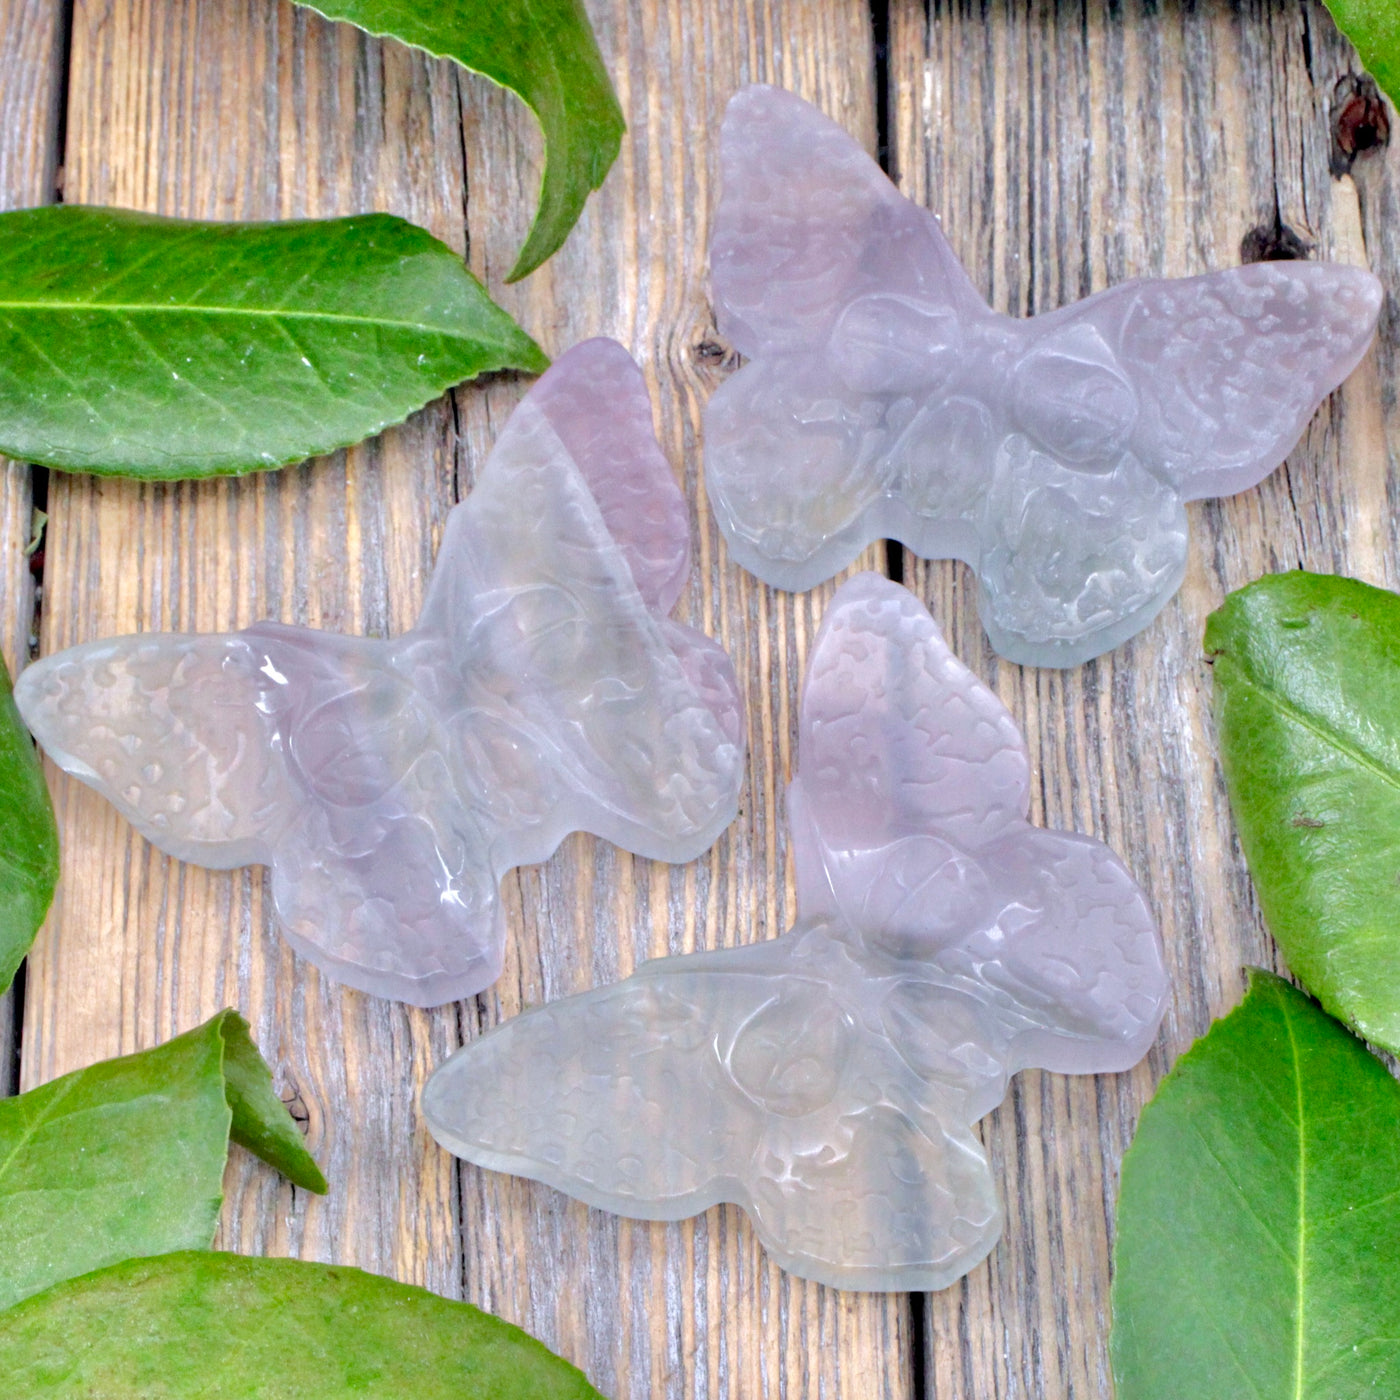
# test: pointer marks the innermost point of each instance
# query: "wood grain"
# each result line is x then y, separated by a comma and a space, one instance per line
239, 110
1067, 147
694, 1309
31, 72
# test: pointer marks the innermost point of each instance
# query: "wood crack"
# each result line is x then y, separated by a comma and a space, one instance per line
42, 184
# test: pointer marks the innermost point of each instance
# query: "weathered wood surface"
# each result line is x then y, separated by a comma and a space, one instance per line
1066, 147
229, 109
31, 71
254, 109
691, 1309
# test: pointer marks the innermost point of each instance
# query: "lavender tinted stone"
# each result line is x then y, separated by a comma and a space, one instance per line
885, 399
390, 784
828, 1080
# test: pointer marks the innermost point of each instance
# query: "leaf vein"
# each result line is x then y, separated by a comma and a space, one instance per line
255, 312
1320, 730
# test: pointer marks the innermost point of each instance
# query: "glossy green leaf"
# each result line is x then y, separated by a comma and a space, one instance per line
1258, 1243
544, 51
221, 1325
1307, 711
127, 1156
29, 856
1374, 27
259, 1119
164, 348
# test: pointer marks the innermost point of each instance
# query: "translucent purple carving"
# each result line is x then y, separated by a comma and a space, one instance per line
828, 1080
390, 784
885, 399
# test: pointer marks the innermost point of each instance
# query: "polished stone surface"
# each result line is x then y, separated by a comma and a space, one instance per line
390, 784
828, 1080
886, 400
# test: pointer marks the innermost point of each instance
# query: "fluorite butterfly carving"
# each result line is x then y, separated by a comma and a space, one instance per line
828, 1080
389, 784
885, 399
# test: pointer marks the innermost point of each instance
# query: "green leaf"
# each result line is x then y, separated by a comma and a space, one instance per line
29, 857
127, 1156
163, 348
544, 51
1374, 27
1259, 1216
1307, 708
260, 1121
278, 1329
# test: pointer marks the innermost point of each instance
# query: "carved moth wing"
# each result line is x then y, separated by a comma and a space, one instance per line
169, 730
385, 879
1127, 404
839, 288
827, 1081
885, 399
807, 225
1226, 370
747, 1076
897, 740
908, 816
298, 750
552, 589
391, 784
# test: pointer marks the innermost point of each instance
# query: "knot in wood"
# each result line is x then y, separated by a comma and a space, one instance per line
1360, 121
1274, 242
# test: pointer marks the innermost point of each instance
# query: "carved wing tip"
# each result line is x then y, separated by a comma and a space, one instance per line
30, 687
600, 359
595, 397
54, 696
39, 695
1345, 298
591, 374
764, 130
897, 739
766, 102
871, 590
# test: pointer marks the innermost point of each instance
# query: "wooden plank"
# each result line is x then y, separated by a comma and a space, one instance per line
233, 109
1068, 147
244, 108
31, 58
694, 1309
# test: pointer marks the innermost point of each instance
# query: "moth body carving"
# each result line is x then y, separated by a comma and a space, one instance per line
390, 784
1054, 454
828, 1080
